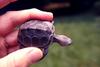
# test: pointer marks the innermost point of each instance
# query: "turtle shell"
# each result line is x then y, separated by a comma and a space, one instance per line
35, 33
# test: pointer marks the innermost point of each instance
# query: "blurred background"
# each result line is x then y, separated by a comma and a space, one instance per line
78, 19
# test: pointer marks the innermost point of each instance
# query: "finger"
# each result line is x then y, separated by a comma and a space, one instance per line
22, 58
11, 19
11, 39
11, 42
3, 3
3, 50
12, 49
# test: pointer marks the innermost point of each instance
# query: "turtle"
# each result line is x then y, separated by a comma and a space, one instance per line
41, 34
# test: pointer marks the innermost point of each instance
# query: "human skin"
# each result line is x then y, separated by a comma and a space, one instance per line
4, 3
10, 53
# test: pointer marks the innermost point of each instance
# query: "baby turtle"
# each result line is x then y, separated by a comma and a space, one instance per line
40, 34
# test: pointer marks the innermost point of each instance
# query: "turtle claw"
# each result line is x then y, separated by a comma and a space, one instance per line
62, 40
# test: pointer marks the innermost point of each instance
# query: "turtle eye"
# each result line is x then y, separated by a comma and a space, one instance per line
44, 40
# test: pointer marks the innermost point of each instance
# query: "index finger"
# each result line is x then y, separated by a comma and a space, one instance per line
11, 19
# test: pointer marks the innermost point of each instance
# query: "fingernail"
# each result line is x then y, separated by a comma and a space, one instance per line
49, 13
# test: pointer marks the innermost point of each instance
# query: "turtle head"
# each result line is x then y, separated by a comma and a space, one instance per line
36, 33
62, 40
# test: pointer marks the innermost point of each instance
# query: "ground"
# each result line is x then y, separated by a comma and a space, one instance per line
85, 49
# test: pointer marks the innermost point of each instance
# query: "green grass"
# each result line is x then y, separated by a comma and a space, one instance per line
85, 49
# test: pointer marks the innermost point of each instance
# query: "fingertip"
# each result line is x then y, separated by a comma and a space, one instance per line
22, 58
35, 54
49, 16
40, 15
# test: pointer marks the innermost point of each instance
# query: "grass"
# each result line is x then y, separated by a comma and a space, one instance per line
85, 49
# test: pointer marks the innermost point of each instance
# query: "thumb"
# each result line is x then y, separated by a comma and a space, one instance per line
21, 58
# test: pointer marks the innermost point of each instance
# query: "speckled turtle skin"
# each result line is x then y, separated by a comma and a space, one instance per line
38, 33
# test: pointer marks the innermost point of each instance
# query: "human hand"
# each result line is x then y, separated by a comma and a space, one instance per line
10, 54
